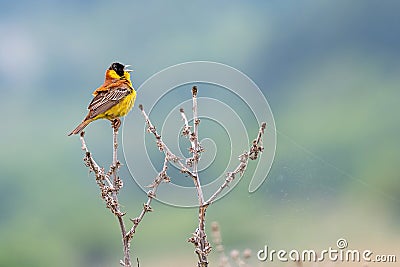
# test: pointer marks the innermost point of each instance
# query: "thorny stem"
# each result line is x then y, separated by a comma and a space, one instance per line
199, 238
93, 166
196, 149
118, 184
161, 177
162, 146
203, 247
230, 176
109, 190
255, 149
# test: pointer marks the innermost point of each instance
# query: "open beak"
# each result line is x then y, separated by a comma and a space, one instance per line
126, 68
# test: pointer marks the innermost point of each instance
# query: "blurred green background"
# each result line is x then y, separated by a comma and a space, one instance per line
329, 69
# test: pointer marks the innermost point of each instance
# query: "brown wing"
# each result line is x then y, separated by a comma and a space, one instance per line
105, 100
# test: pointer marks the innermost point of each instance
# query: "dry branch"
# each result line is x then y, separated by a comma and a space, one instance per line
161, 177
162, 146
199, 237
255, 149
110, 184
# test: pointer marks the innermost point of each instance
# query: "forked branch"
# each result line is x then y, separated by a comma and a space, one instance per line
110, 184
190, 167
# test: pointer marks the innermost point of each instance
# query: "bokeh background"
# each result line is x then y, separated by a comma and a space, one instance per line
329, 69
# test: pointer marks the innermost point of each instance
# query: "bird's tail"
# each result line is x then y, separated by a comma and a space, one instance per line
80, 127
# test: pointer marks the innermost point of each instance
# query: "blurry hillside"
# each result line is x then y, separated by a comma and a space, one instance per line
329, 69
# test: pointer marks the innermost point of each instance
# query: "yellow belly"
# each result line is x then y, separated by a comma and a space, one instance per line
120, 109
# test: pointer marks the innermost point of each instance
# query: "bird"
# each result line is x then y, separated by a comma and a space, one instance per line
112, 100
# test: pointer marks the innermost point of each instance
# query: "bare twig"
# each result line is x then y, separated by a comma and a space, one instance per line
109, 190
196, 148
255, 149
187, 128
110, 184
161, 177
190, 167
117, 182
199, 238
162, 146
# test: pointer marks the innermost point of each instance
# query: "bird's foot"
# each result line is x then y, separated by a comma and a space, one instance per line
115, 124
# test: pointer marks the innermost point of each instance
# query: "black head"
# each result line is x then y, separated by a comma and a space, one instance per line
118, 68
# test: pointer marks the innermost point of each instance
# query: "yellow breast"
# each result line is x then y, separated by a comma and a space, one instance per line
122, 108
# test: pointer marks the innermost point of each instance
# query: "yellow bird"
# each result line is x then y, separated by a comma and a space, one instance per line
114, 99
